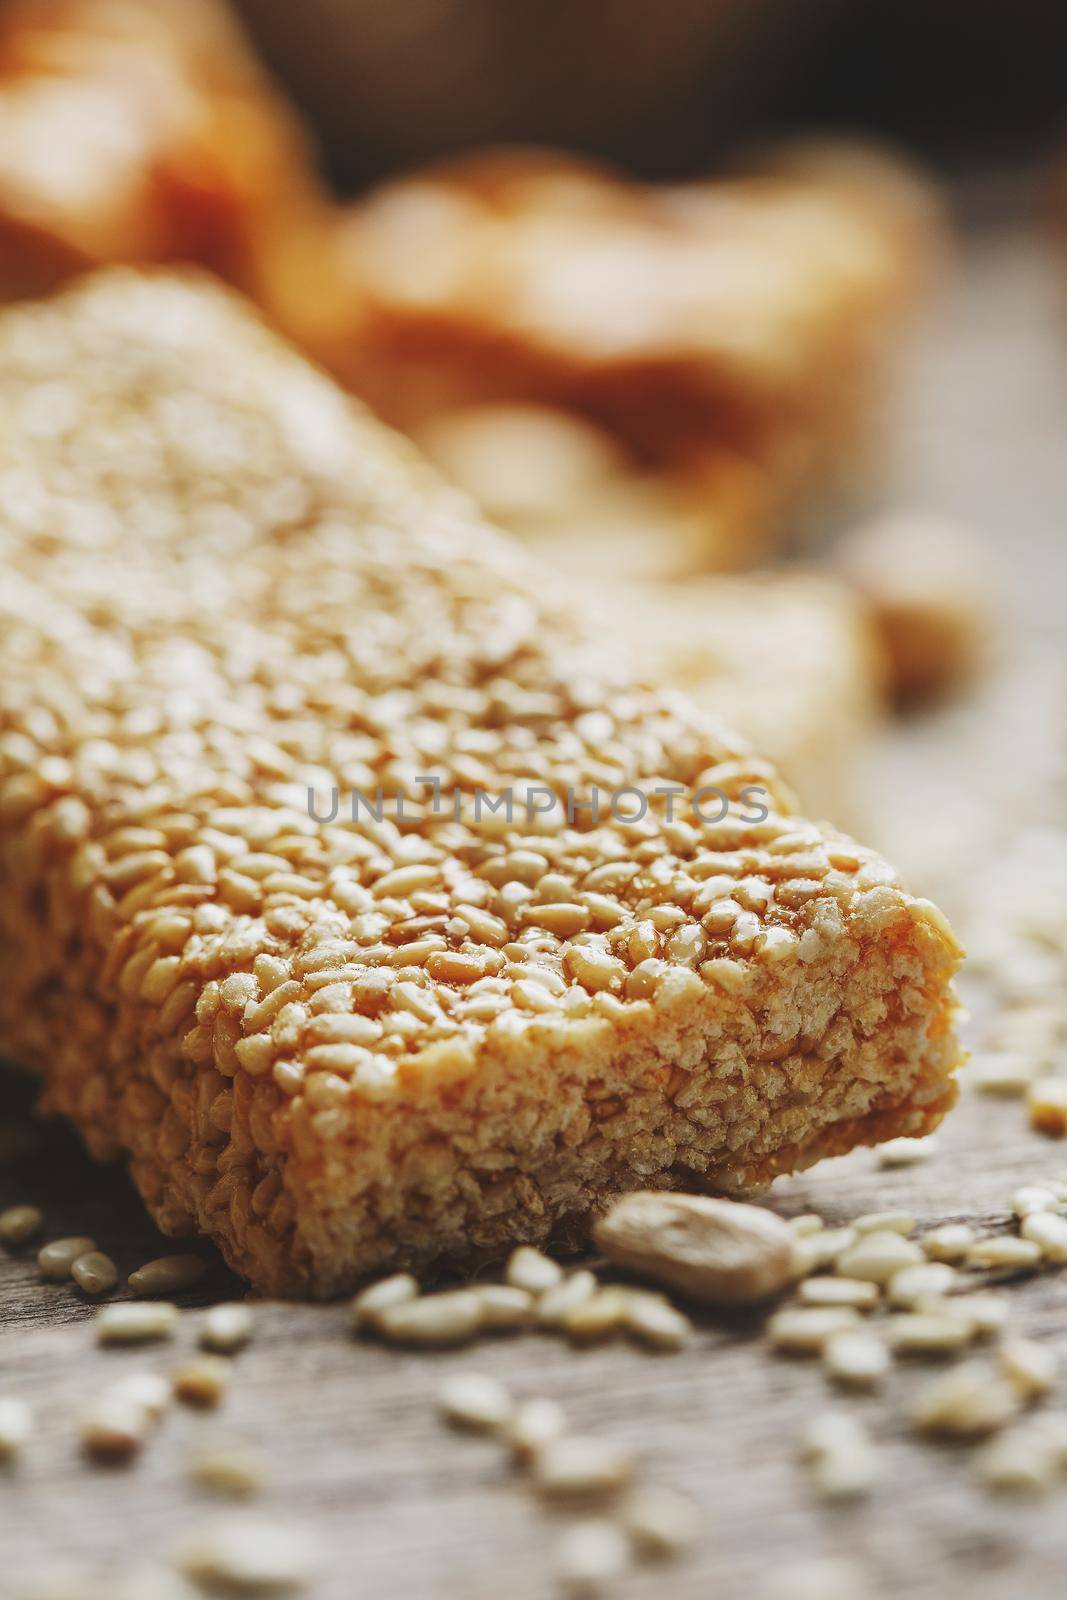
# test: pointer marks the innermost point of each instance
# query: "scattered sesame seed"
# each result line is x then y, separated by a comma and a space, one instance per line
1018, 1461
369, 1304
435, 1319
1032, 1197
926, 1280
56, 1259
16, 1426
1004, 1250
928, 1333
841, 1456
856, 1358
531, 1270
601, 1316
250, 1557
1004, 1074
661, 1523
1031, 1367
233, 1470
590, 1556
906, 1152
806, 1224
535, 1424
202, 1381
573, 1468
653, 1321
988, 1314
166, 1275
804, 1330
1046, 1105
556, 1304
227, 1328
885, 1222
114, 1429
475, 1401
968, 1400
504, 1308
1049, 1232
134, 1324
19, 1224
827, 1246
950, 1242
839, 1292
876, 1257
95, 1273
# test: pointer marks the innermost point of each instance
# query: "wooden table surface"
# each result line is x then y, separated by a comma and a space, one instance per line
403, 1510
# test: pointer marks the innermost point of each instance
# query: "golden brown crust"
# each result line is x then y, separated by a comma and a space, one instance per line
335, 1045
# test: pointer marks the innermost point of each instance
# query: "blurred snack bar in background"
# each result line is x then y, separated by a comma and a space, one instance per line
139, 130
732, 336
789, 658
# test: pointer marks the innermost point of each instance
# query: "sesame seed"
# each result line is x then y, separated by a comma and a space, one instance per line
136, 1324
529, 1269
856, 1358
885, 1222
1049, 1232
589, 1558
95, 1273
1031, 1367
505, 1308
369, 1304
453, 1317
475, 1401
203, 1381
1030, 1198
1046, 1105
600, 1316
951, 1242
987, 1314
16, 1426
928, 1333
19, 1224
1019, 1461
906, 1152
1003, 1250
805, 1330
250, 1557
557, 1303
235, 1470
876, 1257
114, 1429
841, 1456
226, 1328
166, 1275
573, 1467
653, 1321
806, 1224
925, 1280
55, 1259
827, 1246
1005, 1075
661, 1523
968, 1400
839, 1292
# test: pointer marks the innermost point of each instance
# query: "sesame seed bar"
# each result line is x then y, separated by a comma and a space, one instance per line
735, 334
138, 130
789, 659
334, 1045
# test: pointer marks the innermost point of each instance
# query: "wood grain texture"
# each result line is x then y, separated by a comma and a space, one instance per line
404, 1510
